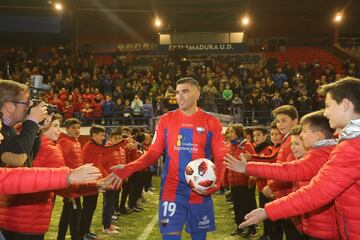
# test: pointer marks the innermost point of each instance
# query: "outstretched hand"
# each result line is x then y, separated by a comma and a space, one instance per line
84, 174
234, 164
112, 181
254, 217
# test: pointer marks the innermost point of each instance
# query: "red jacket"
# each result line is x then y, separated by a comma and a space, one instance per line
321, 222
71, 149
31, 213
234, 178
112, 156
92, 153
281, 188
265, 150
26, 180
339, 180
102, 157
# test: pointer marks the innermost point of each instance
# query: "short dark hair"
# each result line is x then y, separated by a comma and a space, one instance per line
95, 129
348, 88
295, 131
238, 129
10, 91
262, 129
71, 121
189, 80
288, 110
317, 122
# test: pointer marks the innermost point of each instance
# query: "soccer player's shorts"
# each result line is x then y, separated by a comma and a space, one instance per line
198, 217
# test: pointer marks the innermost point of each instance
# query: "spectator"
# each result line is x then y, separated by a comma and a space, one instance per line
279, 78
136, 108
107, 109
210, 94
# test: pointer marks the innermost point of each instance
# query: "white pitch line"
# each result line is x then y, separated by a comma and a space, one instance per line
148, 228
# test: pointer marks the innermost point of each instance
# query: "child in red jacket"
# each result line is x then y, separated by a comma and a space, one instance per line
242, 190
316, 136
92, 153
71, 149
339, 179
262, 148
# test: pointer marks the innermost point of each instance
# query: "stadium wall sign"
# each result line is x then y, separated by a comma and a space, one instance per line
208, 47
137, 47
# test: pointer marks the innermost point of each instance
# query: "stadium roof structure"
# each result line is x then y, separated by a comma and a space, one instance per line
268, 17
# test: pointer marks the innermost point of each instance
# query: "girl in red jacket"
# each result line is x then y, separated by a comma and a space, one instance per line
242, 190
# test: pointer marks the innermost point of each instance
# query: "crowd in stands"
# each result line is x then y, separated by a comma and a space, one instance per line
133, 89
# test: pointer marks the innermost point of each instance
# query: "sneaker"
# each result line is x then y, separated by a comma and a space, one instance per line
138, 206
264, 237
237, 232
135, 209
117, 213
125, 210
110, 231
250, 233
113, 227
90, 236
113, 217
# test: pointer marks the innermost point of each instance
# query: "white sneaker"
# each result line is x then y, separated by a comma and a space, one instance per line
113, 227
110, 231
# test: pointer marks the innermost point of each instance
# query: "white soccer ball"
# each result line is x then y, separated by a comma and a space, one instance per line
200, 174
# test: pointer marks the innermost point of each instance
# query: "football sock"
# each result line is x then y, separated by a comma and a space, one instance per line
198, 236
171, 237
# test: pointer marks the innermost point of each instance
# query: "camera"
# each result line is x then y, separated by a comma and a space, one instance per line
49, 107
37, 86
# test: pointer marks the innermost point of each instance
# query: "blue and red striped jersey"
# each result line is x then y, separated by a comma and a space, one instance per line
183, 139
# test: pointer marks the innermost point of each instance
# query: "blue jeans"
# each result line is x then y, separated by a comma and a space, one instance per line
108, 208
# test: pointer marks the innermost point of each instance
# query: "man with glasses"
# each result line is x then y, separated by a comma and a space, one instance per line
14, 103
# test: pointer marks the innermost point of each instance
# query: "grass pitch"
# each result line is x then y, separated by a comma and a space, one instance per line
132, 226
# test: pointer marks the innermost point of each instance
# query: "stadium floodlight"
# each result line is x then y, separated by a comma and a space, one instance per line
338, 17
58, 6
245, 21
157, 22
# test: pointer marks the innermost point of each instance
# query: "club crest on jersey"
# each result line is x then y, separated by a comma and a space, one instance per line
178, 141
200, 130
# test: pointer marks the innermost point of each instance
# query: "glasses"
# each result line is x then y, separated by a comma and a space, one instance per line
27, 103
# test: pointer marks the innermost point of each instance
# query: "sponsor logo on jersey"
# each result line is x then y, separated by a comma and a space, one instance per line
164, 222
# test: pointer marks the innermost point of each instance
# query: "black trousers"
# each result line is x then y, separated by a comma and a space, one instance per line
267, 223
244, 202
127, 189
291, 232
138, 185
71, 214
87, 213
9, 235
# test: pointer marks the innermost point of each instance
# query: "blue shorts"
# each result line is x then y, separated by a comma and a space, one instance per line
198, 217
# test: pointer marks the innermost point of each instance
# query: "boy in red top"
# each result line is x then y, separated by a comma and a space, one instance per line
92, 153
71, 149
316, 136
338, 180
262, 148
